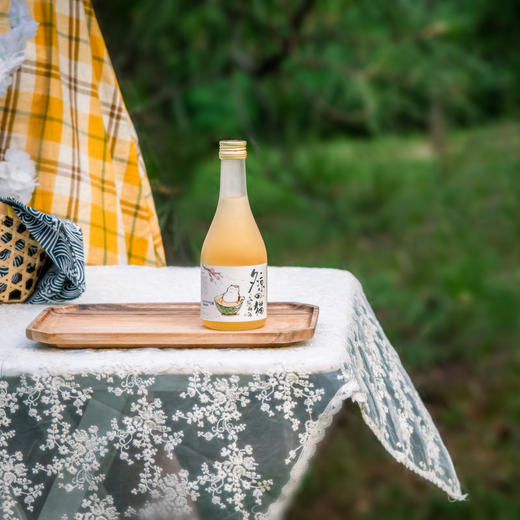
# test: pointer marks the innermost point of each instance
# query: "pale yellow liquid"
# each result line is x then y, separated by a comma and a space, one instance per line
233, 239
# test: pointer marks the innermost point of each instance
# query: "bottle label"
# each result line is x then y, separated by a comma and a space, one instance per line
233, 293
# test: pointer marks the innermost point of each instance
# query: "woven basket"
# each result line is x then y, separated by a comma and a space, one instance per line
21, 258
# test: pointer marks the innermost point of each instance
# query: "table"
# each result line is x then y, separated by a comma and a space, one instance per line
197, 433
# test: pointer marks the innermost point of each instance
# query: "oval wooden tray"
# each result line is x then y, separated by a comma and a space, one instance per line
164, 325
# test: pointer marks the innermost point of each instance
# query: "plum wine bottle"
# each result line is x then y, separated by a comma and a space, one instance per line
233, 261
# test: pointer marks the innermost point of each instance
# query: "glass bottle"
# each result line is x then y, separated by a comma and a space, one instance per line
233, 258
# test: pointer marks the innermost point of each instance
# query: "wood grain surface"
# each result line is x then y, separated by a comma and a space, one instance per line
164, 325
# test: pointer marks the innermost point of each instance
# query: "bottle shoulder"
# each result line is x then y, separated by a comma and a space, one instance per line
233, 237
233, 249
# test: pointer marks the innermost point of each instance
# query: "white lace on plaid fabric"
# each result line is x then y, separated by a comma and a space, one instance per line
12, 43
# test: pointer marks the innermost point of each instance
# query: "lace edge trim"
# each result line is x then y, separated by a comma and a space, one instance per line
454, 494
276, 510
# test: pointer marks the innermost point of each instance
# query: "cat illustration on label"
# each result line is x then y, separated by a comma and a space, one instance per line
230, 301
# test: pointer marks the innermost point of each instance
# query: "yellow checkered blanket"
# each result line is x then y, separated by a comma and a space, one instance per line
65, 109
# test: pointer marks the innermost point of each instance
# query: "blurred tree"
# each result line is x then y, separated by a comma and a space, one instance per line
302, 69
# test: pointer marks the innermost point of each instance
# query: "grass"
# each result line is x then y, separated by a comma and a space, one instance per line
435, 243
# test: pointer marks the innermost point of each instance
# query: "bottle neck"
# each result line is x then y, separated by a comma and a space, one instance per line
233, 178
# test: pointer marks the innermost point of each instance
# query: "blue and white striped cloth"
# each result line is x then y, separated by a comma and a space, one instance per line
64, 277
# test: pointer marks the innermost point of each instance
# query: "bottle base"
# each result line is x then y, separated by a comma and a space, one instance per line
229, 325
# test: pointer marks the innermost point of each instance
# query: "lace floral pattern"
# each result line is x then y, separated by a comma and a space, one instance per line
391, 406
147, 433
15, 484
201, 445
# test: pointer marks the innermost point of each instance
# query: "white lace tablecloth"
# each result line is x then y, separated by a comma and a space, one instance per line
197, 433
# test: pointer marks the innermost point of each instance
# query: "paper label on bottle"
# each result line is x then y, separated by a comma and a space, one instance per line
233, 293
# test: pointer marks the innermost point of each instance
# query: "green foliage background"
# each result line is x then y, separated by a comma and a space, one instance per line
383, 139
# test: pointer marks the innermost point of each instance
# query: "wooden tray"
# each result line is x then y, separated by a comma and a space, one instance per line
164, 325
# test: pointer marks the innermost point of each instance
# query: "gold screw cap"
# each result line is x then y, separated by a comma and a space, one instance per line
232, 149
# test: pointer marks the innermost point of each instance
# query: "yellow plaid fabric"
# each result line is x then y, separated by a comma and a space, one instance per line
65, 109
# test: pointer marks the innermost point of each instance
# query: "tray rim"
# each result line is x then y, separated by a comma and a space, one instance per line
230, 339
